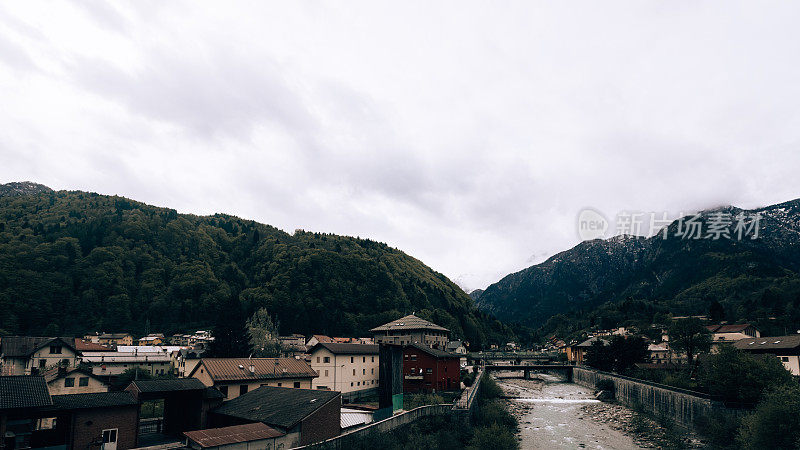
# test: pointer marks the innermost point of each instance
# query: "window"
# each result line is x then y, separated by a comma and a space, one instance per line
242, 389
413, 357
317, 359
428, 370
42, 363
327, 359
69, 382
224, 390
280, 384
55, 349
785, 358
354, 371
326, 372
373, 359
364, 359
83, 381
351, 360
110, 436
322, 388
358, 383
351, 384
372, 371
363, 371
296, 384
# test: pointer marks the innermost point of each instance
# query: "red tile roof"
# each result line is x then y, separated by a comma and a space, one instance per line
214, 437
85, 346
236, 369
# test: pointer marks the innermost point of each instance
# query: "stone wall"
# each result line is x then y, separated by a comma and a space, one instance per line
687, 408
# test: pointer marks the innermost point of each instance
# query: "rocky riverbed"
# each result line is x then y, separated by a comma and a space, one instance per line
564, 415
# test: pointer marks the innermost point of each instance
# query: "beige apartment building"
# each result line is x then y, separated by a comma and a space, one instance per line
412, 330
237, 376
345, 368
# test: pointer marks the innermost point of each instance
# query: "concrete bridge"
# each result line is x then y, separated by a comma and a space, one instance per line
553, 369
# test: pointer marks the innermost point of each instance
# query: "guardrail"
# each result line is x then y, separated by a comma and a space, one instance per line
465, 401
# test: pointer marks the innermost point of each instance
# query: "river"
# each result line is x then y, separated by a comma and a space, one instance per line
554, 414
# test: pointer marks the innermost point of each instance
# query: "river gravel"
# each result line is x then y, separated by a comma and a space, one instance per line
564, 415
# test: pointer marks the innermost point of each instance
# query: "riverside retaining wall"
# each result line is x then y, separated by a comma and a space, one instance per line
687, 408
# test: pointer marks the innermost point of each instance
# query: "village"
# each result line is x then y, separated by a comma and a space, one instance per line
72, 393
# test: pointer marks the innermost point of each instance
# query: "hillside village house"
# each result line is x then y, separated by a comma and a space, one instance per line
785, 348
412, 330
316, 339
112, 364
304, 415
72, 380
236, 437
110, 339
727, 334
237, 376
345, 367
25, 355
427, 369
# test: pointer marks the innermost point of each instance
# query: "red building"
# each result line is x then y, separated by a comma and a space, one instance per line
428, 369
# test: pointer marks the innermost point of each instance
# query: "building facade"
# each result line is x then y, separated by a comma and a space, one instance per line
412, 330
238, 376
428, 369
26, 355
62, 381
345, 367
785, 348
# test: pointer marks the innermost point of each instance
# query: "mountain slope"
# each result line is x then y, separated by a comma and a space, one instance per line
75, 261
683, 275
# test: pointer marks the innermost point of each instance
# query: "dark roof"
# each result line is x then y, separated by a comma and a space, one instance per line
214, 437
94, 400
23, 391
434, 351
409, 322
212, 392
348, 349
453, 345
590, 341
55, 373
738, 328
277, 406
237, 369
791, 341
23, 346
178, 384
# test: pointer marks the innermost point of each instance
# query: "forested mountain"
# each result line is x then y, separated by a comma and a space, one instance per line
606, 283
72, 262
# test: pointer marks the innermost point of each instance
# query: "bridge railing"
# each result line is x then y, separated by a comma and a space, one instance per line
467, 397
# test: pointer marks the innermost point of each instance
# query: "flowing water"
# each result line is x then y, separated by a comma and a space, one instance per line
550, 416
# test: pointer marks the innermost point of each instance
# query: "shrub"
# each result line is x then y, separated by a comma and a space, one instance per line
493, 437
605, 384
775, 423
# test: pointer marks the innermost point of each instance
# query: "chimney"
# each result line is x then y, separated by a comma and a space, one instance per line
252, 369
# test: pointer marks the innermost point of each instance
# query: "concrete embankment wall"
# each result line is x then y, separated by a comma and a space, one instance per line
686, 408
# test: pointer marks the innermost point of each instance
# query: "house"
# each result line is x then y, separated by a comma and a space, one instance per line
305, 415
112, 339
293, 344
726, 334
411, 330
82, 345
785, 348
112, 364
72, 380
21, 399
26, 355
316, 339
347, 368
577, 352
151, 339
659, 353
184, 360
237, 376
427, 369
108, 420
456, 347
236, 437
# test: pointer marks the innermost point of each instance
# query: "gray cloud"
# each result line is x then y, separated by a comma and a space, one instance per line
468, 136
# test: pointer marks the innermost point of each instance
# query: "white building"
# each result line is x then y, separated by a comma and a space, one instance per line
345, 367
105, 364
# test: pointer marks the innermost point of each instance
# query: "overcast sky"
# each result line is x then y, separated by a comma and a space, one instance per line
467, 134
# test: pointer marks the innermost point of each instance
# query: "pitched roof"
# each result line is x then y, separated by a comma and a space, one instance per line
434, 351
590, 341
214, 437
791, 341
59, 372
453, 345
277, 406
177, 384
23, 346
86, 346
409, 322
94, 400
348, 349
737, 328
236, 369
23, 391
321, 338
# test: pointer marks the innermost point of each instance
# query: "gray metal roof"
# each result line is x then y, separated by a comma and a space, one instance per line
791, 341
409, 322
94, 400
23, 391
277, 406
